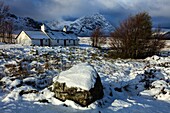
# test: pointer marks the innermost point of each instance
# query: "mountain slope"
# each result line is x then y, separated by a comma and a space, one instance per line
84, 25
23, 23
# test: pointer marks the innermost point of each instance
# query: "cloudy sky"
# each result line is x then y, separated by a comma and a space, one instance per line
114, 10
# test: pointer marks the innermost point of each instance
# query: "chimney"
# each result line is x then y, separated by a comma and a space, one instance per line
65, 28
43, 28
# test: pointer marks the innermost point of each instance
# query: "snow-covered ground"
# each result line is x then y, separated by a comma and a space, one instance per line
86, 42
130, 86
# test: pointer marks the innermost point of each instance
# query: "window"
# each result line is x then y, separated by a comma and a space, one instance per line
57, 41
69, 41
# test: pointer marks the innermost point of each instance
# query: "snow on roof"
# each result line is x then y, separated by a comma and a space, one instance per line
82, 76
36, 35
162, 30
61, 35
165, 30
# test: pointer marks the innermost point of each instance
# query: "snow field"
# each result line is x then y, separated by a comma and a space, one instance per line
129, 85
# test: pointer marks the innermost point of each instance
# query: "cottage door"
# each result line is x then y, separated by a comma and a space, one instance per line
74, 42
41, 42
49, 42
64, 42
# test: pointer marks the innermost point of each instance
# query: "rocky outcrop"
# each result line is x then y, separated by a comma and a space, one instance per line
79, 95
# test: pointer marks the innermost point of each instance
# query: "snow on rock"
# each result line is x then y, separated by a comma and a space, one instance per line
11, 63
81, 75
25, 66
7, 81
151, 92
42, 95
156, 79
15, 94
46, 93
15, 83
43, 80
29, 80
160, 75
164, 95
160, 84
160, 89
120, 103
155, 57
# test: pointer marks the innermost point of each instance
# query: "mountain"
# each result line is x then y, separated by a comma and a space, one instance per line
23, 23
84, 25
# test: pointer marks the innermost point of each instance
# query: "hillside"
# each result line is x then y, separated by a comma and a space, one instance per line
23, 23
84, 26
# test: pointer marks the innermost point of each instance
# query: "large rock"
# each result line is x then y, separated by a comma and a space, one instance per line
81, 83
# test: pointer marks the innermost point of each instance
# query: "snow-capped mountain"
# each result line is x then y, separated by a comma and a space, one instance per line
23, 23
84, 25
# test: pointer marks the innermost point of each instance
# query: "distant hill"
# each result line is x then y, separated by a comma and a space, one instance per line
84, 25
23, 23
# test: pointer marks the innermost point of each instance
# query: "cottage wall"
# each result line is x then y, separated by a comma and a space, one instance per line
61, 42
73, 42
45, 42
36, 42
76, 42
57, 42
24, 39
69, 42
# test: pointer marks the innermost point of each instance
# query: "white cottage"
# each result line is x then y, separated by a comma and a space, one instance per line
33, 38
47, 37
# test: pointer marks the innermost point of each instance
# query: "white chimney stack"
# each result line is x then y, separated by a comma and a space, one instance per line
43, 28
65, 29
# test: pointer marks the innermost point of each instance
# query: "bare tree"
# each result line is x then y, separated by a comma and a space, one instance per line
6, 26
133, 38
97, 38
158, 41
9, 31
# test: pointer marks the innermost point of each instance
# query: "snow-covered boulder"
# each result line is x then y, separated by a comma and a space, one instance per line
81, 83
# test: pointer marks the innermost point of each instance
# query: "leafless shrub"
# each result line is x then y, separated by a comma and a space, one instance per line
97, 38
6, 26
133, 38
